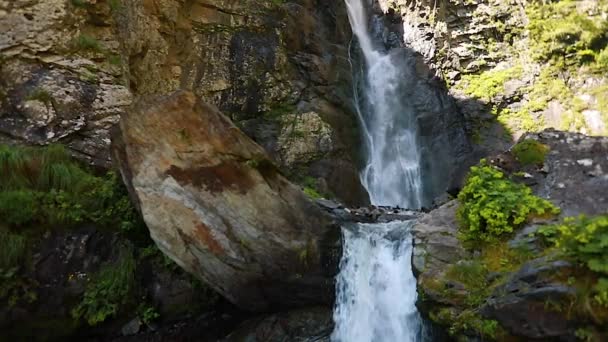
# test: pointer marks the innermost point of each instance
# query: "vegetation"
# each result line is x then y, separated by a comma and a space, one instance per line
492, 206
530, 152
566, 36
44, 186
88, 43
489, 84
108, 290
584, 240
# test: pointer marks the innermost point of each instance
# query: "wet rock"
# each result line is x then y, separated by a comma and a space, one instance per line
132, 327
306, 325
435, 241
191, 172
523, 304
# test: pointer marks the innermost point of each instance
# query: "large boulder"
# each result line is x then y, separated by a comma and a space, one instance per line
217, 205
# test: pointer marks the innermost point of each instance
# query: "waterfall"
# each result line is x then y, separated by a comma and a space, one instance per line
392, 172
376, 289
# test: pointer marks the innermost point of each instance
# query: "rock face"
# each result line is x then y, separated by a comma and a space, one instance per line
61, 78
497, 58
524, 301
217, 205
68, 70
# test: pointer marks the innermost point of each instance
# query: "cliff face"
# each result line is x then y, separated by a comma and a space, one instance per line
71, 67
61, 76
528, 65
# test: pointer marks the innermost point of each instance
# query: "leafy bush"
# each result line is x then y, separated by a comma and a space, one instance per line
586, 241
46, 186
491, 205
530, 152
108, 290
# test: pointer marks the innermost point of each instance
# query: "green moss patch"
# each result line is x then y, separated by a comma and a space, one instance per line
530, 152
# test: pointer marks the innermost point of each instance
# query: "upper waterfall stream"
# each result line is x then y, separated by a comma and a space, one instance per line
376, 289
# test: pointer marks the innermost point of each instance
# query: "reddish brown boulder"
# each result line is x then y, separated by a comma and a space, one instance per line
217, 205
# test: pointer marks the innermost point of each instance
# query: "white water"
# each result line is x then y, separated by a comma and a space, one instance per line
376, 289
376, 294
392, 173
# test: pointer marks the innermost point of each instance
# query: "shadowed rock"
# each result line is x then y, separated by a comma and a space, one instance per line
217, 205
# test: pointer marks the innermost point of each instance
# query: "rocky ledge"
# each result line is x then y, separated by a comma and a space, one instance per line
518, 288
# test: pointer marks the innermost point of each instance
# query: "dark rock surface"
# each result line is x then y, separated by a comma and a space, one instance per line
306, 325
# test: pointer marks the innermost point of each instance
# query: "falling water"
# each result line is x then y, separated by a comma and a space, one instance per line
376, 289
392, 174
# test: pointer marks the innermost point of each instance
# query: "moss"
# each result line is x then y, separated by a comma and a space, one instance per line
489, 84
530, 152
79, 3
280, 110
40, 94
87, 43
115, 5
470, 321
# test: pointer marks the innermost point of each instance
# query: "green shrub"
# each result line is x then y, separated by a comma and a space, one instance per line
109, 290
586, 241
530, 152
491, 205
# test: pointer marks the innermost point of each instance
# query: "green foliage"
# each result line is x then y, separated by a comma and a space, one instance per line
109, 290
473, 275
470, 320
79, 3
18, 207
88, 43
586, 241
467, 322
309, 186
147, 313
12, 250
492, 206
564, 34
489, 84
40, 94
530, 152
45, 186
13, 253
115, 5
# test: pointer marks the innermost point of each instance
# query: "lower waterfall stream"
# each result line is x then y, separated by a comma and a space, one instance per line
376, 288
